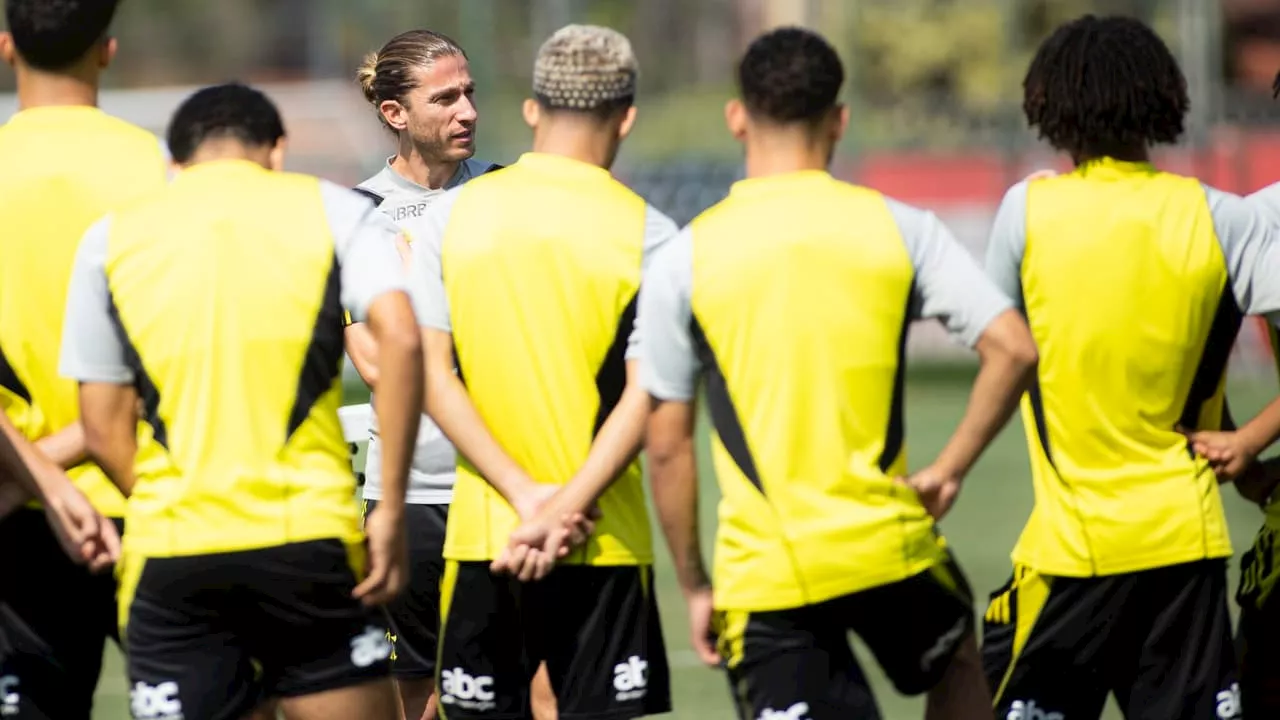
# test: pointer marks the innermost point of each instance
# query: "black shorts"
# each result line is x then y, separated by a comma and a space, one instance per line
1160, 640
209, 637
797, 663
1259, 631
414, 615
597, 629
55, 618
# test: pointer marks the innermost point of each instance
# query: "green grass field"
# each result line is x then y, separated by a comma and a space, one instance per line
982, 529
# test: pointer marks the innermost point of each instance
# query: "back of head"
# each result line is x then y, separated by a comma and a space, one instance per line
586, 69
1102, 85
790, 75
390, 73
224, 112
53, 35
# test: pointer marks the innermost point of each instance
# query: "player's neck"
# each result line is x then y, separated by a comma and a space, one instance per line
37, 88
784, 153
411, 165
1123, 153
585, 146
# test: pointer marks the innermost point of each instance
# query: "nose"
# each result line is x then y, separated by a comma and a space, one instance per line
467, 112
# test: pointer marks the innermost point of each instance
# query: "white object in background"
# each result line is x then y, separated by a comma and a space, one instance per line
355, 422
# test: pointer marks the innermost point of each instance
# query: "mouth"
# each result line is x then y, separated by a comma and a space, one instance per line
466, 136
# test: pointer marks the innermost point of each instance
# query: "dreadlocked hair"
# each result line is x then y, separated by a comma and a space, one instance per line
1105, 83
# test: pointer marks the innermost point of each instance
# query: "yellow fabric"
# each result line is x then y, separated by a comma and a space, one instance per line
537, 296
1116, 488
801, 287
247, 255
64, 168
1021, 603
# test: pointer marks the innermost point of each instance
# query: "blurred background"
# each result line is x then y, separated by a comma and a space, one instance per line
934, 85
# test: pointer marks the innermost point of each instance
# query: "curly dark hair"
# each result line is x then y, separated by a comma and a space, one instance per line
223, 111
1101, 84
790, 75
55, 34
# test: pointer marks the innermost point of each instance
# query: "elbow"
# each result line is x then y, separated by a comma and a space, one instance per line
403, 341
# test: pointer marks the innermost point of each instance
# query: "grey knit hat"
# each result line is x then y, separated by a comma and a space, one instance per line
582, 67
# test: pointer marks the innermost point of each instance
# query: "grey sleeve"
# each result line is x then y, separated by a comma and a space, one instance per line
949, 285
92, 347
1008, 243
658, 230
426, 273
1250, 241
365, 243
669, 366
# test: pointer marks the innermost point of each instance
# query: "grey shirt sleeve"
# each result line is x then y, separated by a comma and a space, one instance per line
426, 272
365, 244
949, 285
658, 230
1008, 243
669, 366
1250, 240
92, 347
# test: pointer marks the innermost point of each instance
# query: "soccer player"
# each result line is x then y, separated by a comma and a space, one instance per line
531, 274
1134, 282
66, 163
421, 86
86, 536
791, 300
241, 570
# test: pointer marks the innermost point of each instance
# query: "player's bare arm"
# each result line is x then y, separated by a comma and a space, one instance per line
84, 534
673, 475
66, 447
448, 404
359, 341
109, 413
395, 330
980, 312
1008, 359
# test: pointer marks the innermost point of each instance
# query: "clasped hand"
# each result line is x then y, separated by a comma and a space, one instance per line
545, 535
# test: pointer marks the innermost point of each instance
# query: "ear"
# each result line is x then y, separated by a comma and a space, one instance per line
396, 115
628, 122
107, 52
275, 160
532, 112
8, 52
841, 123
735, 117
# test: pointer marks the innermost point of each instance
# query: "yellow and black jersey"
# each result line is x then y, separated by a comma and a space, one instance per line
540, 301
791, 301
220, 297
1134, 282
64, 168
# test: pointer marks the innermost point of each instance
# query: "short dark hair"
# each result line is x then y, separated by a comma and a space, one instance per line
790, 75
1105, 83
55, 34
224, 111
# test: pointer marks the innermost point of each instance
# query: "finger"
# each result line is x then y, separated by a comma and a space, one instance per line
544, 566
530, 566
706, 653
519, 555
574, 527
502, 563
110, 539
373, 582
